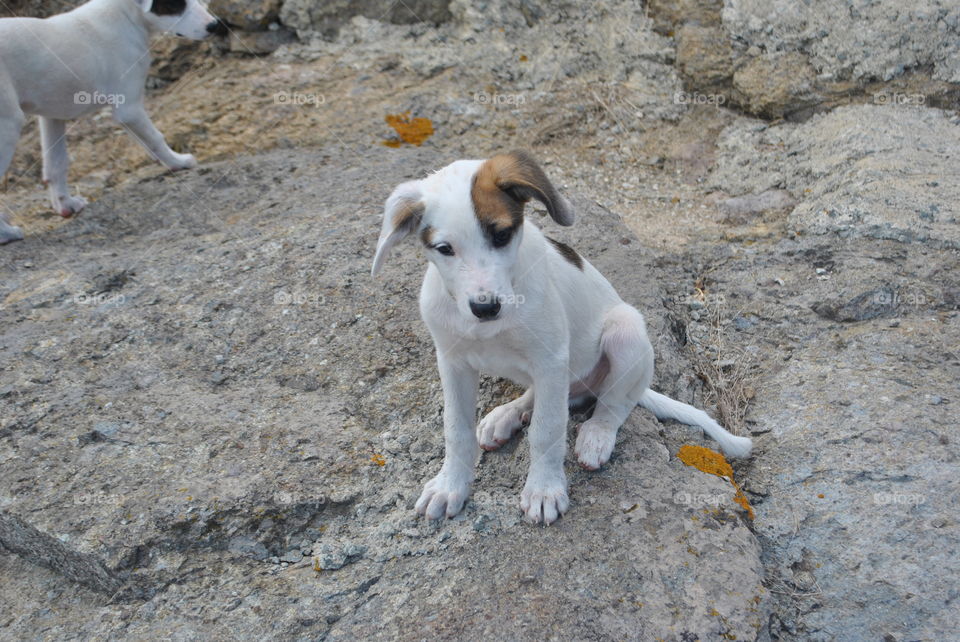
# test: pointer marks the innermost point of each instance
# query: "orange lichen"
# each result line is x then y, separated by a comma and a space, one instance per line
712, 462
379, 460
409, 130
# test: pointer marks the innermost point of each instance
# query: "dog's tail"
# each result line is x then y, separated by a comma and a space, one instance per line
666, 408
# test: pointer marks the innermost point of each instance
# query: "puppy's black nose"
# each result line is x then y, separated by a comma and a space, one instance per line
217, 28
485, 307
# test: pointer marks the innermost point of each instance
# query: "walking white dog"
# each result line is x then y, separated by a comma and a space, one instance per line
78, 62
502, 298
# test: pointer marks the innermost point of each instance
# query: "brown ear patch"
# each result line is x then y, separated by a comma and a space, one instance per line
426, 235
568, 253
503, 185
493, 207
408, 214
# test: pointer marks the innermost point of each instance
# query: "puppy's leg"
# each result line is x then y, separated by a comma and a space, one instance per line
502, 422
544, 496
10, 126
625, 344
53, 138
135, 120
446, 493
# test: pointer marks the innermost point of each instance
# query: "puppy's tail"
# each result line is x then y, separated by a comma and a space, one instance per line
666, 408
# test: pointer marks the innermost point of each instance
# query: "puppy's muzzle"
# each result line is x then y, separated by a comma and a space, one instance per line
217, 28
485, 307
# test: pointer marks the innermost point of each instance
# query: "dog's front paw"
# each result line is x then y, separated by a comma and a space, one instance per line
445, 494
67, 206
182, 161
501, 424
544, 501
595, 443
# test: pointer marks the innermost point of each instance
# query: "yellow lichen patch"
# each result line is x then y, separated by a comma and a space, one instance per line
714, 463
379, 460
409, 130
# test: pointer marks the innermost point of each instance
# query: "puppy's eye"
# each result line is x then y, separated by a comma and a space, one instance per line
502, 237
444, 248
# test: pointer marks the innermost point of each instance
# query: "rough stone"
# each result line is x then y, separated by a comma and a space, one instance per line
259, 43
248, 15
232, 467
306, 16
866, 170
749, 204
773, 85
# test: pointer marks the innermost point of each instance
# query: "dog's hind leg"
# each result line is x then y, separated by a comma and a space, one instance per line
625, 344
11, 122
501, 423
56, 162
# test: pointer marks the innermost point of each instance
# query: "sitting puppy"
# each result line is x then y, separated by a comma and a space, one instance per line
502, 298
75, 63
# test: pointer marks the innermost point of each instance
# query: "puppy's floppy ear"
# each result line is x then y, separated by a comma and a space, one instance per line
519, 175
401, 216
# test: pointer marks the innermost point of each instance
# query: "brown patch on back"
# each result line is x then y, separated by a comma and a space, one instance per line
568, 253
493, 207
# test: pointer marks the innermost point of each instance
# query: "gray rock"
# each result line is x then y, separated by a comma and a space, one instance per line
855, 171
292, 556
249, 547
259, 43
783, 59
854, 40
879, 302
229, 467
306, 16
247, 15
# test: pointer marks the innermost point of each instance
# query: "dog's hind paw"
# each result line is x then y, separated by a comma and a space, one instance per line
595, 443
67, 206
544, 502
500, 424
182, 161
443, 495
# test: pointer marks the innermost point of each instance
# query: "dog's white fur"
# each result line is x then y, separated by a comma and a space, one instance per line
71, 64
563, 332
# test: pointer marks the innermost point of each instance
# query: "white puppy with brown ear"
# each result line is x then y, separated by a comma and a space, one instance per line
502, 298
79, 62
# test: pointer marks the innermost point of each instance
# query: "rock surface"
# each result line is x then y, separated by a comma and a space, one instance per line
203, 393
249, 15
216, 452
787, 59
882, 172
